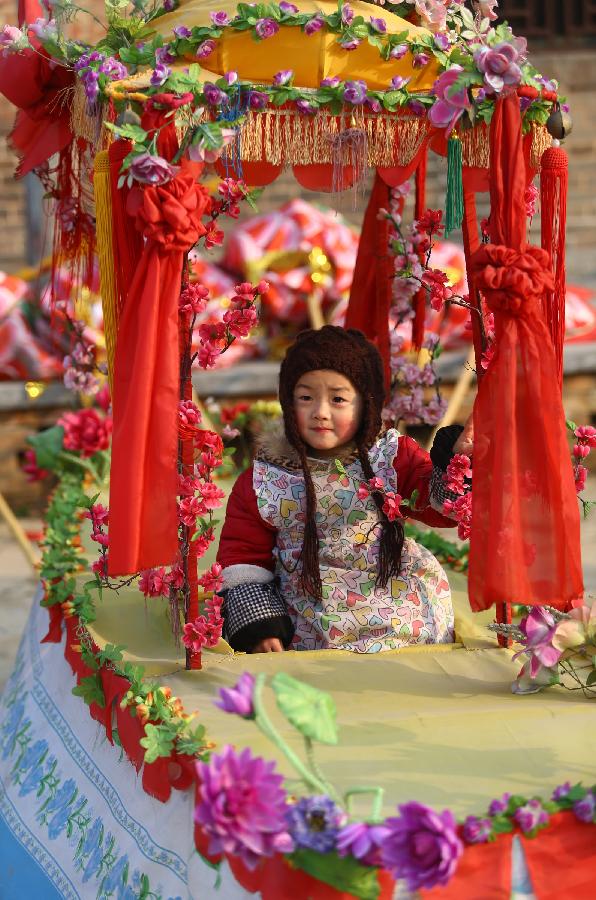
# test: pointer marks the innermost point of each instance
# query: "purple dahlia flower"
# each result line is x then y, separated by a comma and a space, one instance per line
150, 169
288, 8
531, 816
499, 806
205, 49
238, 699
500, 64
347, 14
160, 75
266, 28
182, 31
258, 99
220, 18
315, 24
561, 791
476, 831
355, 92
422, 846
313, 822
213, 95
283, 77
378, 25
242, 806
399, 51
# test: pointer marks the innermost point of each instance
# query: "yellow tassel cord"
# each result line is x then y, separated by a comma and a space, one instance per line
105, 250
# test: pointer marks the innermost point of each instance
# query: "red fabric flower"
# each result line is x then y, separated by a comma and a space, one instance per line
430, 222
511, 279
170, 214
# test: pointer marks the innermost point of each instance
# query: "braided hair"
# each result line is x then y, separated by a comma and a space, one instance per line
348, 352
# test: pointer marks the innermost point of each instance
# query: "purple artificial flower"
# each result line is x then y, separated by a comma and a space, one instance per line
355, 92
362, 841
238, 699
398, 82
205, 49
530, 816
313, 25
182, 31
164, 55
288, 8
283, 77
422, 846
266, 28
585, 809
524, 103
499, 64
45, 30
476, 831
220, 18
258, 100
417, 107
449, 106
113, 68
161, 73
420, 60
212, 94
499, 806
150, 169
330, 82
347, 14
442, 41
399, 51
12, 39
561, 791
351, 44
90, 80
169, 5
230, 77
373, 104
242, 806
303, 106
314, 822
378, 25
539, 628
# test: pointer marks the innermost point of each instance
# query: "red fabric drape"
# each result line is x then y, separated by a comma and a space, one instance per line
484, 871
525, 520
370, 294
553, 220
566, 838
143, 519
127, 242
36, 85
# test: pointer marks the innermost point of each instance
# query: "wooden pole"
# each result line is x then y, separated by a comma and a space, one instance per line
18, 532
458, 396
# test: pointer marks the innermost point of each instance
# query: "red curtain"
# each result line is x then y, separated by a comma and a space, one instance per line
525, 521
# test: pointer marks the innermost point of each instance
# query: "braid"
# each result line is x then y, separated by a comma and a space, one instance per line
311, 576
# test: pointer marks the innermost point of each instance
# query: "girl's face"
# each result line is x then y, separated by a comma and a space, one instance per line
328, 410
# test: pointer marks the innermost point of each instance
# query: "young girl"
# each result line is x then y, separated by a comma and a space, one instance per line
307, 563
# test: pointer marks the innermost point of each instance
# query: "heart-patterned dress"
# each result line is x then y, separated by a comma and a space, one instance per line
355, 614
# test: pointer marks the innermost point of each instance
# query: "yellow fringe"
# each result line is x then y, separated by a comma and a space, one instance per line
105, 251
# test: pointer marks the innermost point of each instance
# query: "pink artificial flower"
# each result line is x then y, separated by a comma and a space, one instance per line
212, 579
175, 577
208, 355
581, 474
187, 485
31, 469
100, 566
231, 189
98, 514
212, 495
499, 64
86, 432
363, 492
214, 236
399, 51
436, 282
189, 413
240, 321
539, 628
586, 434
262, 287
313, 25
375, 484
266, 28
461, 511
213, 332
99, 537
580, 451
193, 299
486, 8
391, 506
103, 397
189, 508
220, 18
202, 542
449, 107
194, 635
154, 582
531, 198
577, 630
458, 469
12, 39
487, 356
205, 49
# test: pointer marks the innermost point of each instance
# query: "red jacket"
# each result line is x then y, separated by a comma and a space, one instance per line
247, 539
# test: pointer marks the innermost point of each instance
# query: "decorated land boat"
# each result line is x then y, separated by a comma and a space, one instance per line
331, 91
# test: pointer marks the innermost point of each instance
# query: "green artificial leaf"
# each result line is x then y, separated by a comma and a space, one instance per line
570, 425
501, 825
47, 445
91, 690
158, 741
110, 653
591, 679
310, 711
343, 873
131, 132
339, 467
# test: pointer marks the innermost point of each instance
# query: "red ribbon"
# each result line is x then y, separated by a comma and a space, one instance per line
525, 522
143, 517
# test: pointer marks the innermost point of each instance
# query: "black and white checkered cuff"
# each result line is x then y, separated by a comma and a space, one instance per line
249, 603
438, 493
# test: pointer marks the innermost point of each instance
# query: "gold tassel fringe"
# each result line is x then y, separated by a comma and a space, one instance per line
105, 252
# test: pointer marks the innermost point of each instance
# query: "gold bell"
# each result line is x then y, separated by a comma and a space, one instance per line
559, 124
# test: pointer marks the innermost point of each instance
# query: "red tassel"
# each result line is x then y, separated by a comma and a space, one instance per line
553, 202
420, 298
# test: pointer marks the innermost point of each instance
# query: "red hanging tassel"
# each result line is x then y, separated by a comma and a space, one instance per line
419, 301
553, 213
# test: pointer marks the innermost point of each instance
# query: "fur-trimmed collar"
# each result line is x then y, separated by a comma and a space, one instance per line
272, 446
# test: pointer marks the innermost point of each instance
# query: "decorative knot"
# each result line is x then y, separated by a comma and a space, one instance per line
512, 280
170, 214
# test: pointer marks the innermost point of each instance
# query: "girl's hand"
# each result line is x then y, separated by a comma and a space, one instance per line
465, 442
269, 645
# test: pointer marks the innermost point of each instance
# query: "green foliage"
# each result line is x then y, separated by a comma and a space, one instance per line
47, 445
158, 741
91, 690
343, 873
310, 711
